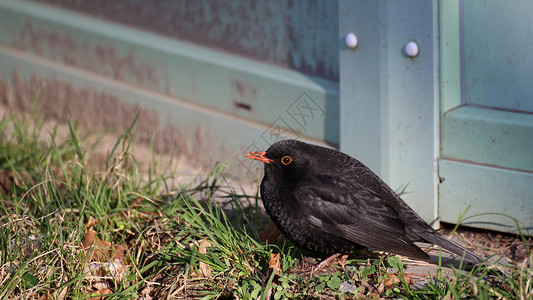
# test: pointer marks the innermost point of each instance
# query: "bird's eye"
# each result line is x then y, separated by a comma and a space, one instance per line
286, 160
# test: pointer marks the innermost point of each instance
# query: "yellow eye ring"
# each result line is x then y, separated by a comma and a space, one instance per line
286, 160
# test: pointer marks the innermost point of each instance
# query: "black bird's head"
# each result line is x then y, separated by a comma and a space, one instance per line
291, 159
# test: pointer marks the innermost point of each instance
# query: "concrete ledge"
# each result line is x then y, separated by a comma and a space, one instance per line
204, 135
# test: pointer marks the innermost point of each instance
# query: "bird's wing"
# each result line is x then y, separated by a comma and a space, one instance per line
352, 212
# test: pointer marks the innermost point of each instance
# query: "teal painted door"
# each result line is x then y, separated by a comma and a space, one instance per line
486, 151
455, 122
389, 100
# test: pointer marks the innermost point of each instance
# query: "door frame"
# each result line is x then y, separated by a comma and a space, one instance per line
485, 153
405, 117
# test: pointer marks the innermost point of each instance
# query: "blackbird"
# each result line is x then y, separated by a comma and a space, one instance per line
328, 202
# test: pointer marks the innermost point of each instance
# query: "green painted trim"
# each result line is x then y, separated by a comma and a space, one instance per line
218, 136
486, 136
450, 55
503, 191
237, 86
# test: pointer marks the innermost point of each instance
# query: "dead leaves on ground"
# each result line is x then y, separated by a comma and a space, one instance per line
393, 279
274, 263
108, 264
105, 262
205, 269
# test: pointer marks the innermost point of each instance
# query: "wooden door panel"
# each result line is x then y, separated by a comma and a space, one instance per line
498, 65
486, 125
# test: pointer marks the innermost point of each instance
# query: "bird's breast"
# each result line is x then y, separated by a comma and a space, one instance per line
298, 225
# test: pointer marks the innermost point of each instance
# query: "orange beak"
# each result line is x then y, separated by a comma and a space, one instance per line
259, 155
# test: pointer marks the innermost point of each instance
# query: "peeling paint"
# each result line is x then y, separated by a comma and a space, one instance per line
205, 110
243, 93
241, 87
301, 35
75, 52
93, 110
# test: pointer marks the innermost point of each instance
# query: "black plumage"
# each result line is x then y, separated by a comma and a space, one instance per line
328, 202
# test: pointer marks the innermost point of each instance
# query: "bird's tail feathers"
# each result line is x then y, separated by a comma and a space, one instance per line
457, 249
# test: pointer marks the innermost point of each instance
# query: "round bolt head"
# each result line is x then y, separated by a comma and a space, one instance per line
411, 49
351, 40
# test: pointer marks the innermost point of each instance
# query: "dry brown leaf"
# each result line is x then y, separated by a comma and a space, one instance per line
91, 223
100, 249
104, 291
101, 264
274, 263
62, 293
205, 269
89, 239
381, 287
39, 297
119, 253
393, 279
